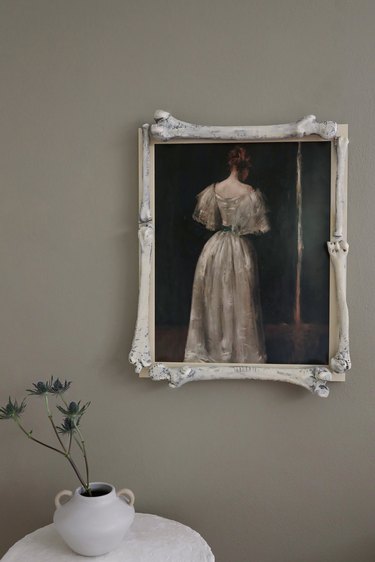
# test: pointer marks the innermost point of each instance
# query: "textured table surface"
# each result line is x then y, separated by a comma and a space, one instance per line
150, 539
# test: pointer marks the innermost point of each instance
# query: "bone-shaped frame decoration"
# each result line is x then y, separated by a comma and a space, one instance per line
314, 378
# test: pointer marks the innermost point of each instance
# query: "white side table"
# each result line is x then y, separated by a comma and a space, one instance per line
150, 539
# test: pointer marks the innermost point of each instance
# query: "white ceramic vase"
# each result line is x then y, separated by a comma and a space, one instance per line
92, 526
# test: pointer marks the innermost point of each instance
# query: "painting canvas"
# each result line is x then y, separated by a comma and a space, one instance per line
242, 272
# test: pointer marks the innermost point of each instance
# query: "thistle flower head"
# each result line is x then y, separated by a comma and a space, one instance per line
12, 409
49, 387
40, 388
58, 387
68, 425
74, 410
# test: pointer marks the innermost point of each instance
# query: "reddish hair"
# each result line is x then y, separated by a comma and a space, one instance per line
239, 159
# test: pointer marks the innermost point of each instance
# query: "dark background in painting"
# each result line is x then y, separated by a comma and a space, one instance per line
181, 172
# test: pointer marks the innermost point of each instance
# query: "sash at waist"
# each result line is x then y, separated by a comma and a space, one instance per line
230, 228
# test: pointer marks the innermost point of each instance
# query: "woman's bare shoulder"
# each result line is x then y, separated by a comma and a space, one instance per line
232, 189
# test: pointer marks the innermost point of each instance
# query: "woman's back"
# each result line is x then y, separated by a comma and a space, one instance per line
231, 187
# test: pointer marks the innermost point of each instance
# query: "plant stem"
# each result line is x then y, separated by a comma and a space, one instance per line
78, 443
64, 453
53, 424
82, 447
28, 434
84, 452
74, 466
70, 441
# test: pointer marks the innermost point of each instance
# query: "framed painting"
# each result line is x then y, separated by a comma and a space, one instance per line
243, 253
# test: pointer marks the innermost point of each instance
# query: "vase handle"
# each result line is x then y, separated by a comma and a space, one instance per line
60, 495
129, 496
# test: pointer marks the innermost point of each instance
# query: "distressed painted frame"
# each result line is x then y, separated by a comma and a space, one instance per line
314, 378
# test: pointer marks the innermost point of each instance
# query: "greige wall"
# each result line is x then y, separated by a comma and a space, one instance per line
265, 472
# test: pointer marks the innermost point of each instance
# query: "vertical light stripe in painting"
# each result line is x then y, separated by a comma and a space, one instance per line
297, 304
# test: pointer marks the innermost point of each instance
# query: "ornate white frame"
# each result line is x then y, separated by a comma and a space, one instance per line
314, 378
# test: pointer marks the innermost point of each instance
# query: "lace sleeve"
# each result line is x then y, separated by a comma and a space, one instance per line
253, 217
206, 210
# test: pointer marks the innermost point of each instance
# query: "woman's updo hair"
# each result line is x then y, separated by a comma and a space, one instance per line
239, 159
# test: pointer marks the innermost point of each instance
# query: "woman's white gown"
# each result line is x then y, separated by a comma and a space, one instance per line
225, 320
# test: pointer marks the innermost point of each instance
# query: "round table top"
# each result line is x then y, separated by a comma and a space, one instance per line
150, 539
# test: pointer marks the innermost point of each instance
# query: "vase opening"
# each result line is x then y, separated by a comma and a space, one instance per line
97, 490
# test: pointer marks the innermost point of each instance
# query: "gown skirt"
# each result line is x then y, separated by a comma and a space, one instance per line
225, 321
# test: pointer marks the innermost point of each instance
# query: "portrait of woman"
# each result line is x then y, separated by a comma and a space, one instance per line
226, 317
242, 272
